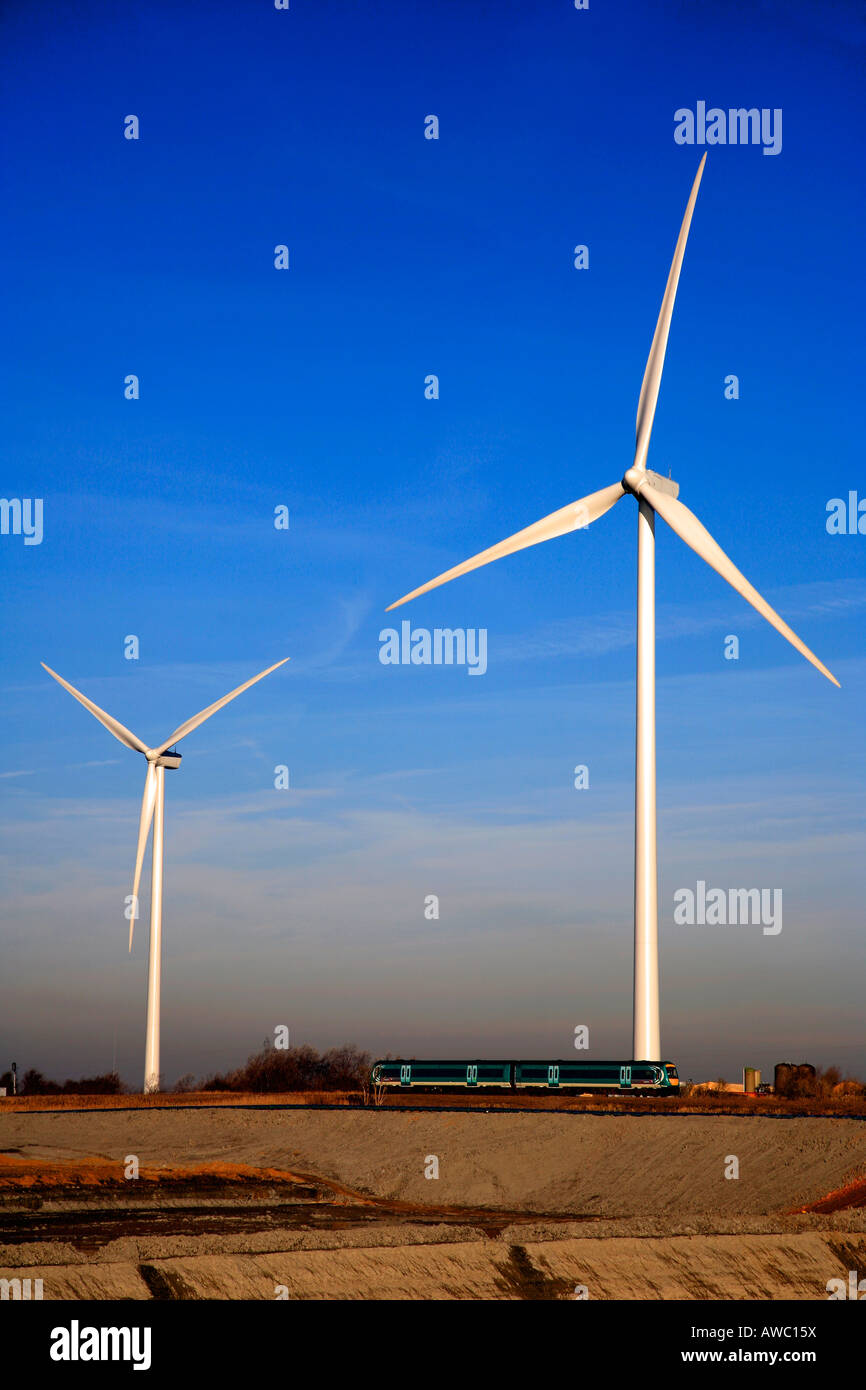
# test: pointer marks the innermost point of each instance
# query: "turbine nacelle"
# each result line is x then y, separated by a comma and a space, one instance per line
637, 478
169, 759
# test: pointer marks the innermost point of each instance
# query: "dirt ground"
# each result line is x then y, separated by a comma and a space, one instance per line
311, 1203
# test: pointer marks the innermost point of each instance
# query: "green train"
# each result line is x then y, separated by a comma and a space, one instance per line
647, 1078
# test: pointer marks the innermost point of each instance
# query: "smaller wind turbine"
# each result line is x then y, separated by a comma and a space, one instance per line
152, 813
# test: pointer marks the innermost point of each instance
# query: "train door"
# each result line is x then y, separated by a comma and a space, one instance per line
625, 1076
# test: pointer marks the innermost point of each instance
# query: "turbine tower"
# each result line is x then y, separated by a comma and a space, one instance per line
654, 495
152, 812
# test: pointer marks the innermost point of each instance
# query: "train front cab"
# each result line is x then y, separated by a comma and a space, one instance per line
655, 1077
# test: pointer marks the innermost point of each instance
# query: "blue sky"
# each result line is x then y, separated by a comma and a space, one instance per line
305, 388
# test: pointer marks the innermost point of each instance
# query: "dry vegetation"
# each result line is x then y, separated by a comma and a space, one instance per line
852, 1106
268, 1071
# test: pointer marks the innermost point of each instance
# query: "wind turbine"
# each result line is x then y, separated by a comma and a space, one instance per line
152, 809
654, 494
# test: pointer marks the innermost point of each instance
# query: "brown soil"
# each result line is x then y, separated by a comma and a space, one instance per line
334, 1203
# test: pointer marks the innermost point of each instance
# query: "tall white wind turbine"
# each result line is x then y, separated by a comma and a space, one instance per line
152, 808
654, 494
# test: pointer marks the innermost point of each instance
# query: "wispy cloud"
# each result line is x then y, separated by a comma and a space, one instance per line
614, 631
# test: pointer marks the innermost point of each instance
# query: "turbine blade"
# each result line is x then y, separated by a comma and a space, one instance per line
113, 726
148, 802
570, 518
190, 724
696, 535
649, 391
